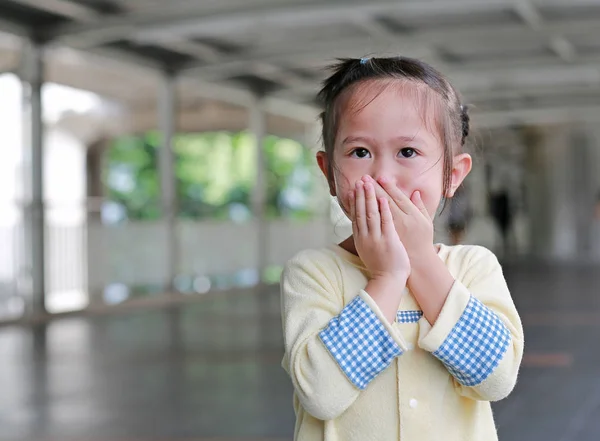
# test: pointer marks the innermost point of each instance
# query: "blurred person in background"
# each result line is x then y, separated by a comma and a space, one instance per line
502, 212
459, 215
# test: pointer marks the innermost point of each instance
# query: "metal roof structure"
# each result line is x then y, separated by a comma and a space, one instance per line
515, 61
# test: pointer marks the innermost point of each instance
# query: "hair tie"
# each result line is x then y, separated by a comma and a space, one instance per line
465, 120
364, 60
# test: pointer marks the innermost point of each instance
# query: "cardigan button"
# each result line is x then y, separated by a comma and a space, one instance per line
413, 403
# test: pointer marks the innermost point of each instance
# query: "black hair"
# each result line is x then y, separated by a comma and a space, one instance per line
348, 72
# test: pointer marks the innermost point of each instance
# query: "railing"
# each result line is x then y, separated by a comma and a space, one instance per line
13, 272
91, 263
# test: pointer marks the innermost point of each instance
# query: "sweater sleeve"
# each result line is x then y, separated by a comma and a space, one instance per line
332, 351
478, 335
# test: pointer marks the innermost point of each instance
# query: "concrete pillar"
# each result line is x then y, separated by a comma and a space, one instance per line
259, 195
325, 203
94, 166
32, 75
560, 184
167, 111
595, 166
94, 245
550, 205
581, 191
537, 178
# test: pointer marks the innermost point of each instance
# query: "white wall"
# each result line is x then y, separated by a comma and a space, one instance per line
64, 192
133, 253
563, 180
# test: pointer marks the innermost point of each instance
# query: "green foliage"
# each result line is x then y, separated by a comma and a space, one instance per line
131, 176
215, 175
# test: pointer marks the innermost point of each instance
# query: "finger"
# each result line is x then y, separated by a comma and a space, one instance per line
351, 199
398, 197
360, 214
373, 218
381, 193
416, 199
387, 220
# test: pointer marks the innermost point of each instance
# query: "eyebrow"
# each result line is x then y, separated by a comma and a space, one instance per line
368, 140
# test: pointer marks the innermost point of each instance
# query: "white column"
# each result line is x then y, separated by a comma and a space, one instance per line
32, 74
595, 187
335, 225
560, 185
259, 194
539, 198
167, 109
551, 206
581, 190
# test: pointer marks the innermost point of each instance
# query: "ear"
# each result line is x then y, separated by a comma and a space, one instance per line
461, 166
323, 162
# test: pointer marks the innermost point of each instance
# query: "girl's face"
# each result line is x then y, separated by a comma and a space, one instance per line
389, 137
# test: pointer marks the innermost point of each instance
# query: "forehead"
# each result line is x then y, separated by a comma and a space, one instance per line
405, 103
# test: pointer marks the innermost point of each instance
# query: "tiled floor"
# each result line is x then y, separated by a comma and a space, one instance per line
211, 370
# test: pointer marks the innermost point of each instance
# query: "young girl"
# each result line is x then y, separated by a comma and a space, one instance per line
389, 336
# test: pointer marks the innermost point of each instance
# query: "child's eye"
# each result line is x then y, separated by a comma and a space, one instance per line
408, 152
360, 153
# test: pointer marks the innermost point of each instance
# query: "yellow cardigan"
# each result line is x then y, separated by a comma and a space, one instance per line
358, 377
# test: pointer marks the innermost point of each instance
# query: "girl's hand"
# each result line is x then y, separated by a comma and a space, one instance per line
411, 219
375, 236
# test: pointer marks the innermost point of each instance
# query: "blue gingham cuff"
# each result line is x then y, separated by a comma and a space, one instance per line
476, 344
409, 316
360, 343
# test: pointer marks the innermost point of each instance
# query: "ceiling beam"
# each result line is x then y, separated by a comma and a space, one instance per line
230, 24
564, 49
534, 92
374, 28
326, 52
468, 79
529, 14
13, 28
480, 100
194, 19
544, 116
279, 75
194, 49
128, 57
63, 7
495, 78
482, 34
414, 44
237, 96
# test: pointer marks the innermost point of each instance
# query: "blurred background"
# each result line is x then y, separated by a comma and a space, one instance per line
157, 170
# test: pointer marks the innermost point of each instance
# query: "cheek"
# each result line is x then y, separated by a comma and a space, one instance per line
346, 174
430, 186
341, 187
349, 169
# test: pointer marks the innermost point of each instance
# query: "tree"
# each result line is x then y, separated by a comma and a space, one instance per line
215, 174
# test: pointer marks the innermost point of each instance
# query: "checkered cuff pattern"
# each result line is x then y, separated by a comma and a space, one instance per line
409, 316
359, 343
476, 344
